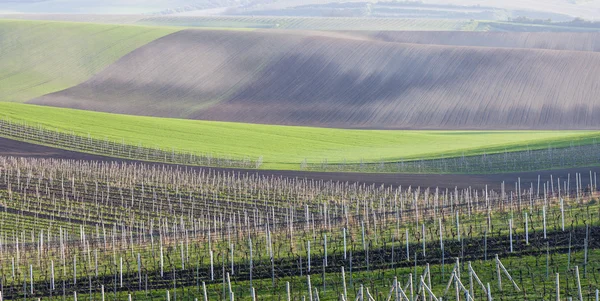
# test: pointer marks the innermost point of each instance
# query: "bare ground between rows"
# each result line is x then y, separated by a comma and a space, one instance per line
9, 147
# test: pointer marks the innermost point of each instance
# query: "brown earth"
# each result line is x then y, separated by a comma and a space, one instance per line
14, 148
569, 41
352, 81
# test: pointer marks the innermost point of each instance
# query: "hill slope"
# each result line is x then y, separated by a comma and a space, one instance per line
351, 82
529, 40
38, 57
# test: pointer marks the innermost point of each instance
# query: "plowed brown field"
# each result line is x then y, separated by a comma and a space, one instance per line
353, 81
528, 40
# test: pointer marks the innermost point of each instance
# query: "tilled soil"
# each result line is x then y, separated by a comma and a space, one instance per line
346, 81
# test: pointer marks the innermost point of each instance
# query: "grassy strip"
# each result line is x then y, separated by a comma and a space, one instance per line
285, 147
41, 57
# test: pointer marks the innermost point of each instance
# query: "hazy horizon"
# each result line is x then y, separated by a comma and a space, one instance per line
589, 10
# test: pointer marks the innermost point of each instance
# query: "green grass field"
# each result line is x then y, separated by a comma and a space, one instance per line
43, 57
284, 147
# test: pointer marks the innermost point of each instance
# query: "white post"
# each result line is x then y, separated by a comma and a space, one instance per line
557, 287
429, 280
31, 277
412, 294
423, 231
422, 284
407, 251
578, 283
456, 289
310, 294
526, 230
121, 271
544, 215
457, 225
232, 260
498, 273
363, 236
470, 280
139, 264
344, 283
585, 257
345, 247
52, 274
212, 270
162, 262
325, 246
229, 286
562, 214
441, 235
510, 234
308, 251
361, 294
74, 269
395, 288
96, 261
182, 257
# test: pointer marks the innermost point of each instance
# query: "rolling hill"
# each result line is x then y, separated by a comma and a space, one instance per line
40, 57
351, 81
528, 40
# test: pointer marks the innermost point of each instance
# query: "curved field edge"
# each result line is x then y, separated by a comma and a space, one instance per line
41, 57
324, 80
285, 147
